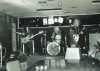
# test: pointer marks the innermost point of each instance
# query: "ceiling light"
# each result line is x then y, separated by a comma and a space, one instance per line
55, 20
70, 20
50, 20
76, 22
60, 20
45, 21
49, 9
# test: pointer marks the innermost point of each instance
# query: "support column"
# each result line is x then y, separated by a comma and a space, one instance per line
14, 47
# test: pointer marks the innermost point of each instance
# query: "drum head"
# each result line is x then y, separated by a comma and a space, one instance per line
53, 48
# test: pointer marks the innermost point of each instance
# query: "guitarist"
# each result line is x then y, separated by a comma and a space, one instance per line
27, 43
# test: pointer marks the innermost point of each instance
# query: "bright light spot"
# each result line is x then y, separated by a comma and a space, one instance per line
45, 67
70, 20
19, 2
50, 20
37, 67
60, 20
55, 20
45, 21
41, 67
76, 22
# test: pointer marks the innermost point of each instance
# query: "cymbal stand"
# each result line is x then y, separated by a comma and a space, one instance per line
23, 48
33, 50
45, 43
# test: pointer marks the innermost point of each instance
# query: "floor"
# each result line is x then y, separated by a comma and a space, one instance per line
60, 64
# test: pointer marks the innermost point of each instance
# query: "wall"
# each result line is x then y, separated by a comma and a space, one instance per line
6, 31
93, 38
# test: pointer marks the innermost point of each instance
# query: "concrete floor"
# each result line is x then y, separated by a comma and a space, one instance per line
60, 64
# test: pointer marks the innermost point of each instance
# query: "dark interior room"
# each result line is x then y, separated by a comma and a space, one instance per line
49, 35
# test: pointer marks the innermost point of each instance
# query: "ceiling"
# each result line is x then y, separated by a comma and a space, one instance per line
29, 8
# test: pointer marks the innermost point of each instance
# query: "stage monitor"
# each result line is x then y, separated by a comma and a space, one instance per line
72, 55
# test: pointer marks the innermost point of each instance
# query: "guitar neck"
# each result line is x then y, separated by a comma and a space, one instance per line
33, 36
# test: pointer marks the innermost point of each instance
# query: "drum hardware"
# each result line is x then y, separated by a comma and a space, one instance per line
33, 51
23, 48
44, 43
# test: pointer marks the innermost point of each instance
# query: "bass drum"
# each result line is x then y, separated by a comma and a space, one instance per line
53, 48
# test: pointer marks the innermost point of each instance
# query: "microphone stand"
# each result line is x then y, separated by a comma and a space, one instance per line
23, 47
45, 43
33, 50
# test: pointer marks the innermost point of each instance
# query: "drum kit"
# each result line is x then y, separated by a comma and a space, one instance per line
53, 48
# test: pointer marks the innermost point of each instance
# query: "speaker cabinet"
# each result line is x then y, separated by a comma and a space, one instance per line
72, 55
13, 66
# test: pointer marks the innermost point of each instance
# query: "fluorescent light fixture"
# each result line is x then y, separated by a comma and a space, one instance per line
48, 9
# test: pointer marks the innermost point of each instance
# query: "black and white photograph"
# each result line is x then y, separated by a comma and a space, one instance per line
49, 35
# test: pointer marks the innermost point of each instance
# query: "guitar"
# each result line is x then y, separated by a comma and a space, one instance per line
28, 37
76, 37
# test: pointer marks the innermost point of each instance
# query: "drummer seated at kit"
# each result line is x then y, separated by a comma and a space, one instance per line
55, 32
55, 44
54, 48
58, 39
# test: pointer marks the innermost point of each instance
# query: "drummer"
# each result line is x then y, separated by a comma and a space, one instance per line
56, 31
58, 39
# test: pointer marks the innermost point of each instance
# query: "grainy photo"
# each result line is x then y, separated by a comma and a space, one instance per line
49, 35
